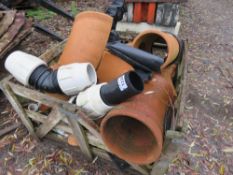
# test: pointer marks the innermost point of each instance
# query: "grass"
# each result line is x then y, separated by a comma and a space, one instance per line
74, 8
40, 14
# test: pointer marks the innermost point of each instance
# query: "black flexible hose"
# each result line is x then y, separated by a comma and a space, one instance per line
44, 78
122, 88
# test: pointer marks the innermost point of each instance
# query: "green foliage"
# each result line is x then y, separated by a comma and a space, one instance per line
39, 14
74, 8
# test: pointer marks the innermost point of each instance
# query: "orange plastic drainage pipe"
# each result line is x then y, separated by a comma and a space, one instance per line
146, 39
111, 67
134, 130
88, 39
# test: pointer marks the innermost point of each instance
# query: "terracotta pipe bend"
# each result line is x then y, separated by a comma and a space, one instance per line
88, 38
146, 39
137, 125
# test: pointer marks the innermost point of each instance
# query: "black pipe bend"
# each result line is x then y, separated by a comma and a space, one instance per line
45, 79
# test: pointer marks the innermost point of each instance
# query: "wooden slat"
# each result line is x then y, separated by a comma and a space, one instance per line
51, 101
102, 151
18, 108
182, 73
9, 129
170, 134
54, 52
140, 169
52, 120
170, 151
105, 155
97, 142
79, 134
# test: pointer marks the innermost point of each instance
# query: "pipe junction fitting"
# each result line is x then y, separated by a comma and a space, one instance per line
146, 39
88, 39
97, 100
137, 126
69, 79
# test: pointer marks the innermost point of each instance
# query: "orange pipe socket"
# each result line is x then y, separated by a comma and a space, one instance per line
134, 131
144, 12
111, 67
88, 39
146, 39
72, 140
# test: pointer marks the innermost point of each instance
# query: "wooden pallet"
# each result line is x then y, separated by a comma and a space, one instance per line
70, 119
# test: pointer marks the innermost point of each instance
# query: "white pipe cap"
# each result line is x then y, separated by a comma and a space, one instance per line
91, 102
21, 65
76, 77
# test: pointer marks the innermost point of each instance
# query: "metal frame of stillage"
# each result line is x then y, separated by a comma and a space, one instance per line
71, 119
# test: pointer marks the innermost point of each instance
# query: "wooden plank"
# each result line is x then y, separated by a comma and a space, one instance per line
97, 142
6, 79
140, 169
24, 32
57, 138
53, 52
9, 129
100, 153
7, 20
105, 155
79, 134
12, 31
169, 153
170, 134
18, 108
52, 120
182, 72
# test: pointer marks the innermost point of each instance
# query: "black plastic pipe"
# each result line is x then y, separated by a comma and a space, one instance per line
46, 31
122, 88
136, 57
53, 7
44, 78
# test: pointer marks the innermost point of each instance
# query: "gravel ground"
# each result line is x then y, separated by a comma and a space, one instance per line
208, 147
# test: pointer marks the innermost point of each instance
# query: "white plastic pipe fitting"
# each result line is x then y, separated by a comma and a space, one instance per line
71, 78
91, 102
21, 65
76, 77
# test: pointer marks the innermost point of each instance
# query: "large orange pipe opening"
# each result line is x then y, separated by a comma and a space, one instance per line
134, 130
